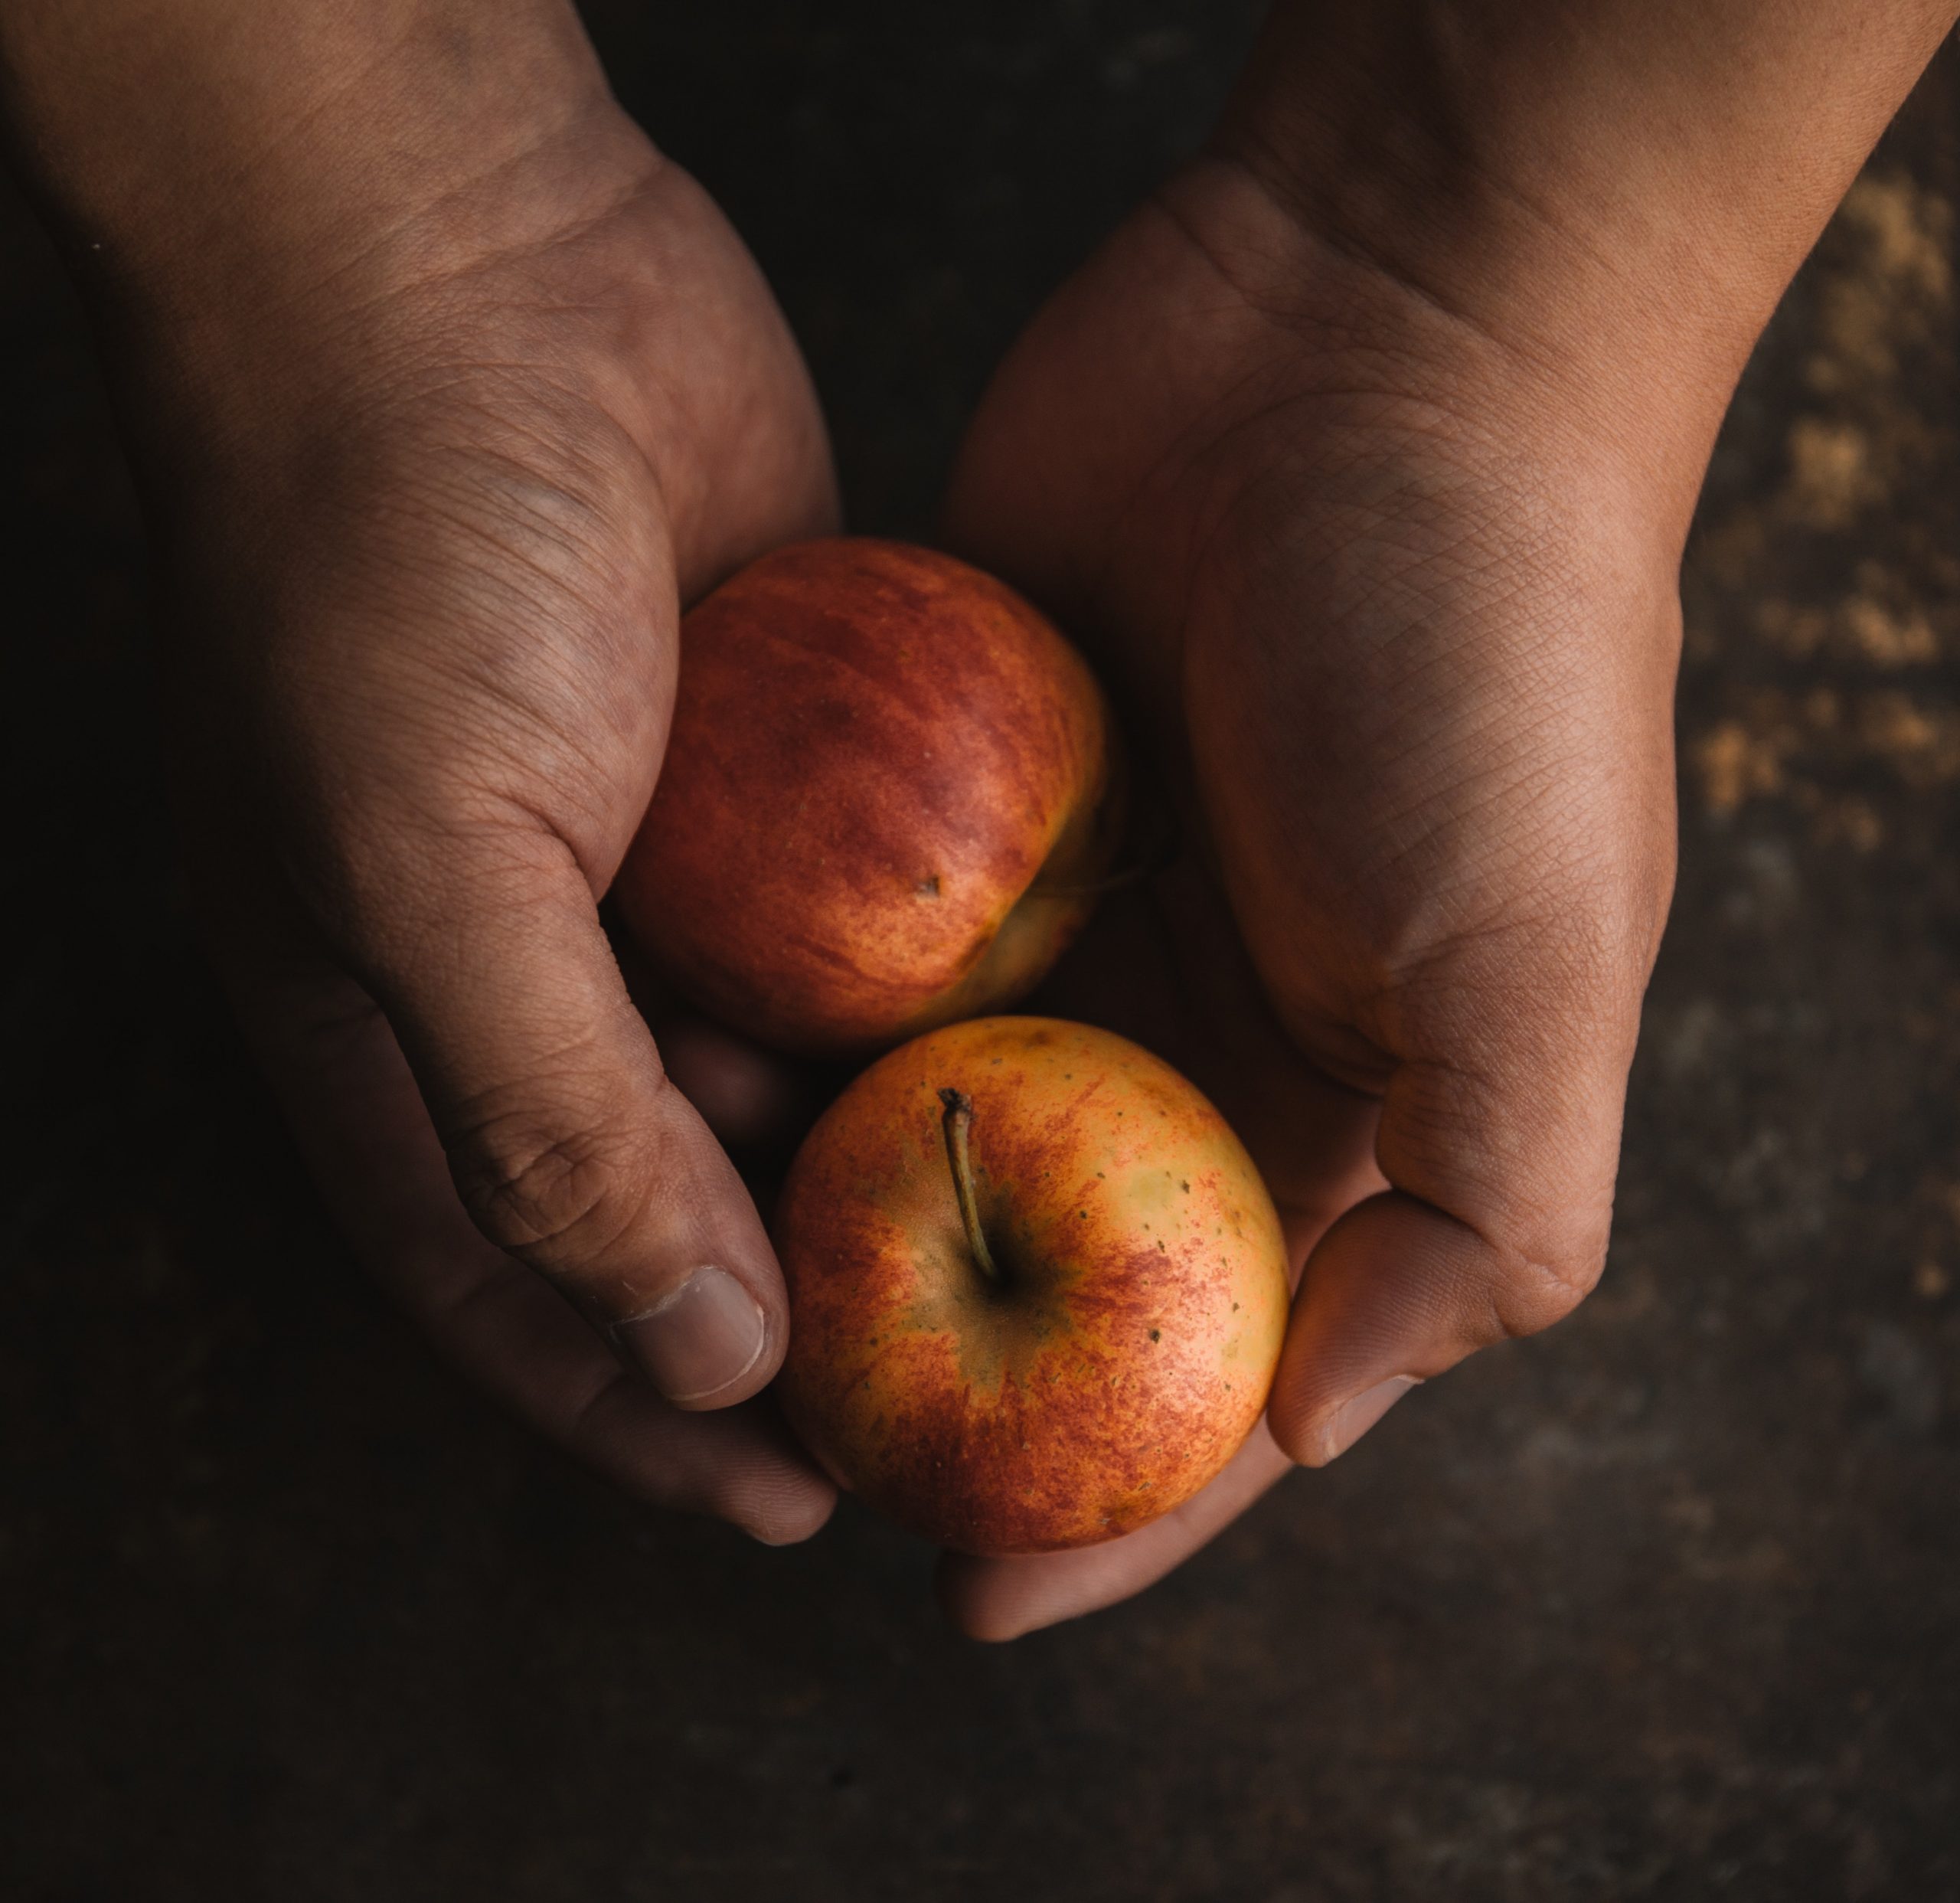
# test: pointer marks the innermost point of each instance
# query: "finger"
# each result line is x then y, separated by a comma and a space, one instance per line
360, 1122
1000, 1599
569, 1146
1501, 1163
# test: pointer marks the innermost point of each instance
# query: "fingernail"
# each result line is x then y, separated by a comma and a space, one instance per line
1353, 1418
703, 1338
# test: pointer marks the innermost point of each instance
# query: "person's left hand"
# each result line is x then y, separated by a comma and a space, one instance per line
1395, 622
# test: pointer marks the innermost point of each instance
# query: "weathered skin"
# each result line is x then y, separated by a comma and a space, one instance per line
876, 752
1126, 1351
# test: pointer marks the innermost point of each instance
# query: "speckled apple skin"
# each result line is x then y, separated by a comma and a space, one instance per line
875, 751
1130, 1349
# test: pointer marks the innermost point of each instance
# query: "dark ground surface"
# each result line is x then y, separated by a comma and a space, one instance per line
1666, 1603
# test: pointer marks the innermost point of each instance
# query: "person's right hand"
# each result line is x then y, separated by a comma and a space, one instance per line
429, 495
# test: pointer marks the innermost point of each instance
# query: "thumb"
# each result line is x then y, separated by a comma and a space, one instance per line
569, 1146
1502, 1161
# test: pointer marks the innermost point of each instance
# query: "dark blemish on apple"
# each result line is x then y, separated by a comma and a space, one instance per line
927, 888
1185, 1187
1157, 1334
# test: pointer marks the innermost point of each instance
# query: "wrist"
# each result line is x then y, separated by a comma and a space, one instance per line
293, 148
1477, 379
1613, 194
353, 214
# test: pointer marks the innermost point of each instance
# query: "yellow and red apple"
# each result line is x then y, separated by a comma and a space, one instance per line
1038, 1288
885, 803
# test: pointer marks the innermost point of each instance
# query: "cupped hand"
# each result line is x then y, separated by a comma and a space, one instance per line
429, 495
1393, 607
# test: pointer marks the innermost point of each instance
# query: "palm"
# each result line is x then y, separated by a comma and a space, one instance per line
1389, 681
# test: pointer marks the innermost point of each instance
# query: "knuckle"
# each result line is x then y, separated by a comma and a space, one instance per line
1531, 1290
547, 1199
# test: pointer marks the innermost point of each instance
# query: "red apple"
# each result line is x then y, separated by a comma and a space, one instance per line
885, 801
1036, 1287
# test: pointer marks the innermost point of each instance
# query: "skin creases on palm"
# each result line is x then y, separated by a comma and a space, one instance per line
1409, 676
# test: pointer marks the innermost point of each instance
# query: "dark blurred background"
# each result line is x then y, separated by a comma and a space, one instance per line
1664, 1604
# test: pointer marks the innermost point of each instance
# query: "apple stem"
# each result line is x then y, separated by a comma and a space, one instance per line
958, 1124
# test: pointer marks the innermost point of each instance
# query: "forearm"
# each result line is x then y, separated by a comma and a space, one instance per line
1597, 182
193, 151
